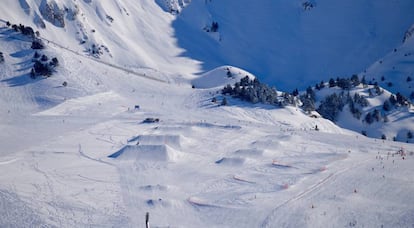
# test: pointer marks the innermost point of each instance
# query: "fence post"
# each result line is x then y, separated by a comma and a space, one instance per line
147, 220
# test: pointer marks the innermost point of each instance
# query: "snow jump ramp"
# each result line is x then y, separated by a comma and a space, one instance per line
146, 152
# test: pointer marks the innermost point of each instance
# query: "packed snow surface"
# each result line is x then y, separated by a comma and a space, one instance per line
130, 135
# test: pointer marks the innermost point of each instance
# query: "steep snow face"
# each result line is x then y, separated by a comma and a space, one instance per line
395, 71
126, 33
289, 44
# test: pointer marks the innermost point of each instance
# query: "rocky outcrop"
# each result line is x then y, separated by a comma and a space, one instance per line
51, 12
173, 6
409, 33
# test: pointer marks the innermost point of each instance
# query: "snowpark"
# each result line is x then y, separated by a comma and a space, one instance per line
83, 155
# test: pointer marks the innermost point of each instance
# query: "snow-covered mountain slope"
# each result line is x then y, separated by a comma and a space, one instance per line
118, 32
370, 110
103, 141
395, 71
289, 46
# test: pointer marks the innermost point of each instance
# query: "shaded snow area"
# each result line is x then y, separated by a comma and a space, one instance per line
290, 44
133, 127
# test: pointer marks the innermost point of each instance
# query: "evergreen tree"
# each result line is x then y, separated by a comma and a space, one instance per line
385, 118
370, 92
224, 101
409, 135
227, 90
331, 106
245, 81
322, 85
368, 118
378, 90
310, 93
44, 58
214, 26
37, 44
355, 80
344, 83
393, 100
386, 106
376, 115
332, 83
401, 99
361, 100
54, 62
295, 92
363, 81
308, 104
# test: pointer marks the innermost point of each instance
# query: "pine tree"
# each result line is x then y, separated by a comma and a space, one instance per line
322, 85
224, 101
386, 106
368, 118
332, 83
376, 115
363, 81
378, 90
409, 135
355, 80
310, 93
393, 100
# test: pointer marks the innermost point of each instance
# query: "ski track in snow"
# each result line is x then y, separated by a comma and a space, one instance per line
317, 186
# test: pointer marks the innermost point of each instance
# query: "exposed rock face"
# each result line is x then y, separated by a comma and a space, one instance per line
173, 6
409, 33
51, 12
